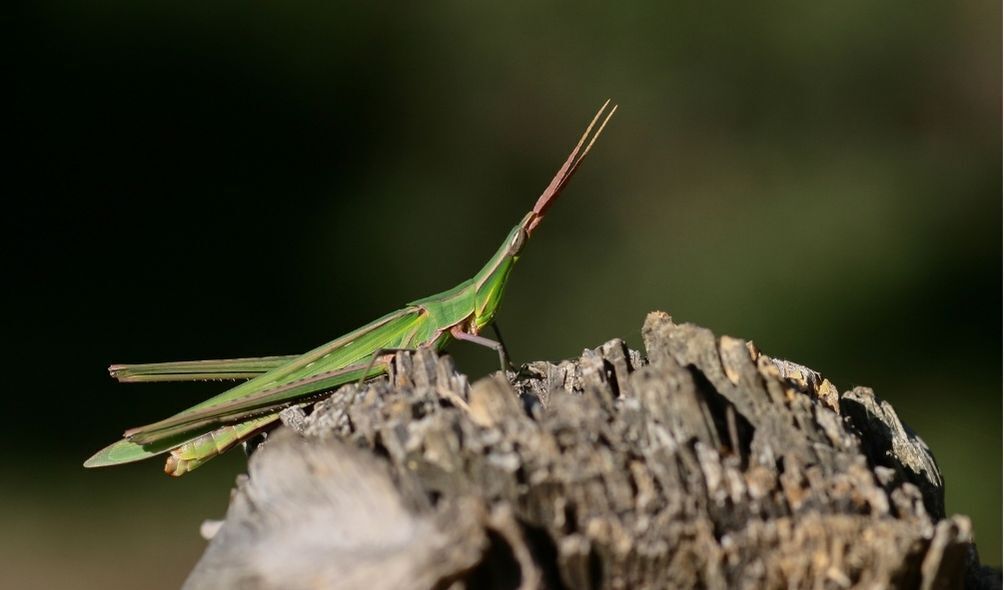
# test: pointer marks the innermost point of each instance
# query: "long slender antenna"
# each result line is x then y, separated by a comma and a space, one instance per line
571, 164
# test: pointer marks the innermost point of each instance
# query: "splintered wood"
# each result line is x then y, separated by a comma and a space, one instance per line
704, 463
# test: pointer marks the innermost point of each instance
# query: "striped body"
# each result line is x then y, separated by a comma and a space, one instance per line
205, 430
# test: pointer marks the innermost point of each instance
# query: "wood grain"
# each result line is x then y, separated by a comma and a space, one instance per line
702, 463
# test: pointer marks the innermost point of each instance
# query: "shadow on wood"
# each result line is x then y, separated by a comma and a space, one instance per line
703, 464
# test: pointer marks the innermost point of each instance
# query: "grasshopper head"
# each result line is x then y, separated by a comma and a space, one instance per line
490, 282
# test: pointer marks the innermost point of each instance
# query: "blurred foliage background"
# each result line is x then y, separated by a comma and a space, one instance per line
226, 179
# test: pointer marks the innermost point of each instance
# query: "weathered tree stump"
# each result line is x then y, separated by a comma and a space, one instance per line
704, 463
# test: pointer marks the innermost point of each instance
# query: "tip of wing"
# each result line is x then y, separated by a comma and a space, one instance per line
123, 451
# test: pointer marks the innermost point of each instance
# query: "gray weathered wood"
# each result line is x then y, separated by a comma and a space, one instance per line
704, 463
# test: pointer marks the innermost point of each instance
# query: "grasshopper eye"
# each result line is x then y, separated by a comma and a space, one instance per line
518, 239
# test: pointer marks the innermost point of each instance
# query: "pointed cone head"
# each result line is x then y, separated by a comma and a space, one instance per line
490, 282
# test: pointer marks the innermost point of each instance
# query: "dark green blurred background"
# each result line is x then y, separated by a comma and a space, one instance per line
240, 179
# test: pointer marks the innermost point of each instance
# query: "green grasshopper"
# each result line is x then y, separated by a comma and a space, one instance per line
274, 383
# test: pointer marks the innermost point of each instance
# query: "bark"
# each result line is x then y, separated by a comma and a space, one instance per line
703, 463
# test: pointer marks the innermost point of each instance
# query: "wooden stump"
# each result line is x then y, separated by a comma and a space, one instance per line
704, 463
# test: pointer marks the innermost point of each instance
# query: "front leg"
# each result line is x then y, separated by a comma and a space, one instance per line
498, 334
459, 333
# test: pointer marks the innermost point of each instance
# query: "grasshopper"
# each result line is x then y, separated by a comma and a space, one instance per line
274, 383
